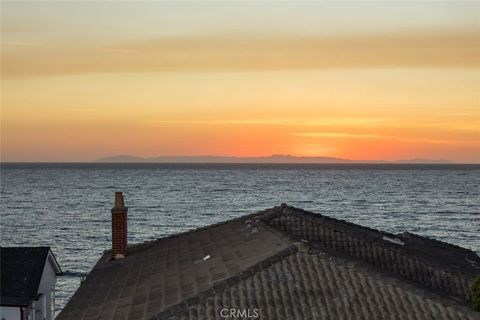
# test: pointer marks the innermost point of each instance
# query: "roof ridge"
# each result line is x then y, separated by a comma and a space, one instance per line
439, 242
285, 210
356, 227
226, 283
148, 243
377, 231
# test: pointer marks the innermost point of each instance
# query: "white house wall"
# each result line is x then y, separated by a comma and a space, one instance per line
46, 284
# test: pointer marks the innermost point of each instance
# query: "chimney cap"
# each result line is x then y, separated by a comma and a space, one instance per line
119, 204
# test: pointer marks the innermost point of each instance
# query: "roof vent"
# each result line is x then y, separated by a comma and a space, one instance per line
394, 240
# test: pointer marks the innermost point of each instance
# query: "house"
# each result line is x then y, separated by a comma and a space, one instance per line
28, 276
280, 263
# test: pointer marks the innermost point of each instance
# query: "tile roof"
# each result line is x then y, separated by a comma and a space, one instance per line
288, 263
440, 266
21, 272
306, 286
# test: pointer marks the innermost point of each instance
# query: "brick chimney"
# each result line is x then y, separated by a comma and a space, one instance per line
119, 228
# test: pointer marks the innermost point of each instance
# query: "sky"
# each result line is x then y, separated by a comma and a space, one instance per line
358, 80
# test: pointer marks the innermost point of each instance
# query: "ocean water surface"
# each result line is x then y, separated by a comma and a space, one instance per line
67, 206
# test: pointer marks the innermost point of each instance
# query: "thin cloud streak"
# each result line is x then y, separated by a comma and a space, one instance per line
24, 44
227, 53
344, 135
285, 122
337, 135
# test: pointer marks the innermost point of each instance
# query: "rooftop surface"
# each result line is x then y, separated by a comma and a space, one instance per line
21, 272
285, 263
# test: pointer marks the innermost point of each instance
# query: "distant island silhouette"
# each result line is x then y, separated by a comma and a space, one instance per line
276, 158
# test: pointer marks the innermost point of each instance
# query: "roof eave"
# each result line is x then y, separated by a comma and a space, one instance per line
54, 262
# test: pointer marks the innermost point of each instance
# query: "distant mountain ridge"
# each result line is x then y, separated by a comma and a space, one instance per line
276, 158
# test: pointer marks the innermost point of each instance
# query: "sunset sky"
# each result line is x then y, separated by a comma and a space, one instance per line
357, 80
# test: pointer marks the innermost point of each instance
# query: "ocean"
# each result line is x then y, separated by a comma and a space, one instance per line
67, 206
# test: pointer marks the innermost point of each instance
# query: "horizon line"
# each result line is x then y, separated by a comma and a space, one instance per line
366, 162
213, 162
223, 159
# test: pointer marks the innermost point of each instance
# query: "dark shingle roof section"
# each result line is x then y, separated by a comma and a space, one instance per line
21, 272
157, 275
291, 264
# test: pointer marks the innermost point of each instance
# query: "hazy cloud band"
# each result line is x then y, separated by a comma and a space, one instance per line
224, 53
